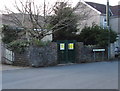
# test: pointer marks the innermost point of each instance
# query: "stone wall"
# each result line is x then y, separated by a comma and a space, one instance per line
21, 59
43, 56
37, 56
85, 54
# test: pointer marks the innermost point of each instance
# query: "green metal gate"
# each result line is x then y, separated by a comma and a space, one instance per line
66, 51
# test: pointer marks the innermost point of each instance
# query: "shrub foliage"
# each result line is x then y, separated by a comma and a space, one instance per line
96, 35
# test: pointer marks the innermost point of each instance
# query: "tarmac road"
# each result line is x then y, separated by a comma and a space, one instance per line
99, 75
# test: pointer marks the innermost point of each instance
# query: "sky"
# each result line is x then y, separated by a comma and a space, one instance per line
10, 3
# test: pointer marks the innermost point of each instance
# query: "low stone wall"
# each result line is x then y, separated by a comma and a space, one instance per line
85, 54
43, 56
21, 59
37, 56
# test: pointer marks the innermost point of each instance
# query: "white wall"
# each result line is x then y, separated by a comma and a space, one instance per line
103, 23
93, 16
48, 37
114, 23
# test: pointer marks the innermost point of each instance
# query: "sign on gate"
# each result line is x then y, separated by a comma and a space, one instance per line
62, 46
71, 46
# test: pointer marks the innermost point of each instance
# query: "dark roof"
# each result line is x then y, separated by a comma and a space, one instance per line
99, 7
116, 10
102, 8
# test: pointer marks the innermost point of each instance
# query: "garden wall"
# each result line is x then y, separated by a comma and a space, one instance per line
85, 54
38, 56
43, 56
21, 59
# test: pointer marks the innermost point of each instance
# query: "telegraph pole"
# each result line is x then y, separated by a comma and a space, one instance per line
44, 12
108, 27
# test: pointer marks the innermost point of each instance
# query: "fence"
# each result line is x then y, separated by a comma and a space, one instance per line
7, 55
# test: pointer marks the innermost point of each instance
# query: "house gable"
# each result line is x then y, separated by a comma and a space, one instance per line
99, 7
87, 14
114, 10
89, 6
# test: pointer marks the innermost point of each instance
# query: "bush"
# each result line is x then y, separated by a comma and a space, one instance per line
38, 42
96, 35
18, 45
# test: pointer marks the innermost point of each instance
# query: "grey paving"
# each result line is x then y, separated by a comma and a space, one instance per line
4, 67
100, 75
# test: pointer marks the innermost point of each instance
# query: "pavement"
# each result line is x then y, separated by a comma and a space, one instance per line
99, 75
4, 67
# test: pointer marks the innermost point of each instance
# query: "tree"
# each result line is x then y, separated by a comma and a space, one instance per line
96, 35
30, 18
35, 19
12, 40
9, 34
68, 26
103, 37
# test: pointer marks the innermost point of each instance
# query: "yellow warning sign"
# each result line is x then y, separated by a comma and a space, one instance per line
62, 46
71, 46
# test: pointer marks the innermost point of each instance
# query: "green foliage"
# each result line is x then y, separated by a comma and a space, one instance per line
65, 21
18, 46
103, 37
96, 35
9, 34
11, 38
38, 42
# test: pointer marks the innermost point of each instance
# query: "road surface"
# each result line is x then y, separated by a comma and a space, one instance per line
99, 75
